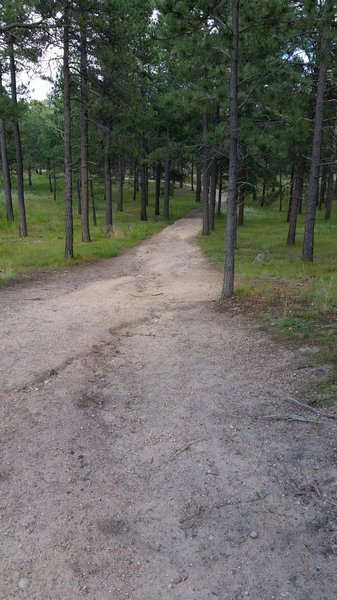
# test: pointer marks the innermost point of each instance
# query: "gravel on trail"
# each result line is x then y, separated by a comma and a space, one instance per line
148, 451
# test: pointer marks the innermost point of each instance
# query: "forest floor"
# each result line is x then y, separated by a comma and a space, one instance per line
149, 449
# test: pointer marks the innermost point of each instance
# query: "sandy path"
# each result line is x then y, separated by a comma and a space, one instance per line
136, 459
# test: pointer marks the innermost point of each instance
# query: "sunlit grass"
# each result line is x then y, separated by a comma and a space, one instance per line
44, 248
284, 273
294, 300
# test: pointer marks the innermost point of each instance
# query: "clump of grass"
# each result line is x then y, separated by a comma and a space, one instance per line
291, 327
6, 273
324, 392
322, 293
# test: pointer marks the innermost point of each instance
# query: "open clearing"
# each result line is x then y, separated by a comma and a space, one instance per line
142, 453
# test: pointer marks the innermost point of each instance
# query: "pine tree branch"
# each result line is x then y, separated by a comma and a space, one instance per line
18, 25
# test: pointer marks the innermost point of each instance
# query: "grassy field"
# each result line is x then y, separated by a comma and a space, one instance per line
295, 300
44, 246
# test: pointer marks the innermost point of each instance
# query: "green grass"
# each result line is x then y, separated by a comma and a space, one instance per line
44, 246
285, 277
295, 300
324, 392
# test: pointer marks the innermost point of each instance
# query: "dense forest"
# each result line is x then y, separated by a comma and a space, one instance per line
217, 96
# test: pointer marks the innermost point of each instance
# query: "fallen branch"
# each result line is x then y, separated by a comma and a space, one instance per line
320, 413
187, 447
288, 417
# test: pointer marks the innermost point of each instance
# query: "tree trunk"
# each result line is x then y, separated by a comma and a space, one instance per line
330, 190
17, 143
263, 199
192, 175
181, 178
144, 188
143, 198
329, 196
198, 186
55, 188
30, 183
281, 193
308, 243
228, 286
323, 187
242, 192
79, 206
108, 185
205, 178
157, 200
120, 187
292, 174
68, 176
93, 203
220, 193
135, 180
84, 150
167, 179
147, 183
297, 193
212, 195
6, 173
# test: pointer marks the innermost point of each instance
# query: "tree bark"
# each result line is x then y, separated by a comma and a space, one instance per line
192, 175
68, 183
93, 203
79, 206
135, 180
228, 285
308, 243
292, 174
6, 173
220, 193
330, 190
297, 193
108, 184
323, 187
242, 193
212, 195
181, 177
144, 188
167, 179
120, 187
157, 193
17, 142
84, 146
205, 179
198, 185
143, 198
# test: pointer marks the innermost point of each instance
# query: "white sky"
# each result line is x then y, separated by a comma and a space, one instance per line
38, 88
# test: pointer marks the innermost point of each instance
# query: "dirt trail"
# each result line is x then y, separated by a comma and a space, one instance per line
137, 461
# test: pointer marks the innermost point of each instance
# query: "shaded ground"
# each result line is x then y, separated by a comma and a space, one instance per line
138, 459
